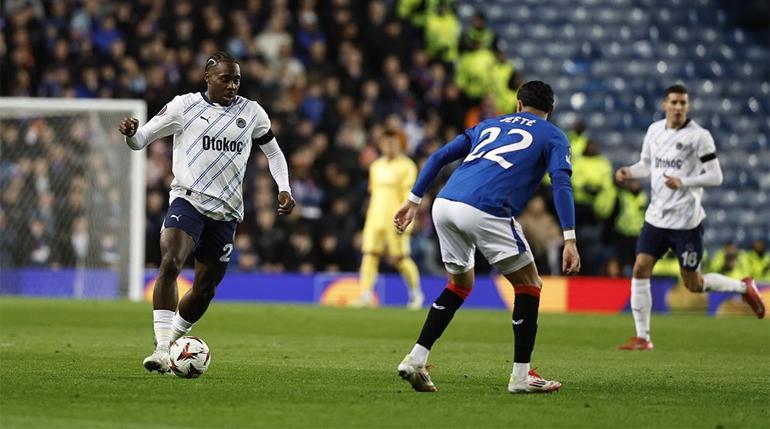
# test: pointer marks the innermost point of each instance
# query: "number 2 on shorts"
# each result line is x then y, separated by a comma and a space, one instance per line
228, 249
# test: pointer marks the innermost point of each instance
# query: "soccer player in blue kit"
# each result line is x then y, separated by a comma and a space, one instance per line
505, 159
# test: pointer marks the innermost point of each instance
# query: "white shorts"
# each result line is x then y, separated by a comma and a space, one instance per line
461, 228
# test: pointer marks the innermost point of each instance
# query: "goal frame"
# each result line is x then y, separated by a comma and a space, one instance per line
138, 109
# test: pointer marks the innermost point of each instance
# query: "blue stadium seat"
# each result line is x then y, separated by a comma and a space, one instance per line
618, 56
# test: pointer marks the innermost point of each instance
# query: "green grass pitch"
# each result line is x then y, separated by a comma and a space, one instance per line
78, 364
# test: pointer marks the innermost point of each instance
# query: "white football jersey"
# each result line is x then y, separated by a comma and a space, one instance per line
676, 152
212, 144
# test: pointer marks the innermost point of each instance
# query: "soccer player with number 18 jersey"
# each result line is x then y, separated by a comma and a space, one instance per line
680, 158
504, 160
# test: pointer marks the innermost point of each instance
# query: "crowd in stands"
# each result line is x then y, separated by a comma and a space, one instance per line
332, 75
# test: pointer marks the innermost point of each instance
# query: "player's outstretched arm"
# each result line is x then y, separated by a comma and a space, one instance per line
452, 151
128, 126
637, 171
285, 203
565, 207
710, 176
622, 174
276, 161
167, 122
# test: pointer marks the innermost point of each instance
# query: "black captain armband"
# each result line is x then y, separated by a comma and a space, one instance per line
264, 138
708, 157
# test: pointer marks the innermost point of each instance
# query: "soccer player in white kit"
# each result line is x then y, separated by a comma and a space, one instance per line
680, 157
214, 132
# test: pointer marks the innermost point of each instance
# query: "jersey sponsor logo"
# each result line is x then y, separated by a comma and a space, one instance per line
668, 163
205, 119
241, 123
223, 144
163, 110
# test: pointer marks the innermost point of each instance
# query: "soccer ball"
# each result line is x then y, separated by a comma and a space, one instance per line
190, 357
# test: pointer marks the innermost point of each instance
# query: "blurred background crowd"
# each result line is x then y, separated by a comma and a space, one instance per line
332, 75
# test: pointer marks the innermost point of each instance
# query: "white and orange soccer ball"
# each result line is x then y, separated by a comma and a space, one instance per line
190, 357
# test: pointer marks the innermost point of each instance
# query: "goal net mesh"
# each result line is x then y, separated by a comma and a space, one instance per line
65, 198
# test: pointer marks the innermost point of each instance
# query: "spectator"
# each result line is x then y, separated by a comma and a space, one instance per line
332, 75
442, 34
595, 195
156, 212
543, 234
472, 74
725, 261
578, 139
479, 34
755, 262
628, 220
269, 41
505, 82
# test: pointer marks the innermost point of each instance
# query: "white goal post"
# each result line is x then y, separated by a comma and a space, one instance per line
86, 132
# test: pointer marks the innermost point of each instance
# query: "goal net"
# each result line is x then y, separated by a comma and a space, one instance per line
72, 194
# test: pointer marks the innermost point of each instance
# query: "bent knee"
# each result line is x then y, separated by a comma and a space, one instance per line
642, 271
171, 265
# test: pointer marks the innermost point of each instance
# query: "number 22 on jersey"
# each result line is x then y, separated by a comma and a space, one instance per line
492, 133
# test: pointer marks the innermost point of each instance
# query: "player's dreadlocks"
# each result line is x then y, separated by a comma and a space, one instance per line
218, 57
537, 94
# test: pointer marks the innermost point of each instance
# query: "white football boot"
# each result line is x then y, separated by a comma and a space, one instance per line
158, 361
365, 300
534, 383
416, 375
415, 301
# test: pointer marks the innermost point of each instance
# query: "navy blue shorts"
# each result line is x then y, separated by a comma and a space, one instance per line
687, 244
213, 238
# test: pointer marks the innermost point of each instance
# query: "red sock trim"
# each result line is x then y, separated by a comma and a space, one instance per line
527, 290
462, 292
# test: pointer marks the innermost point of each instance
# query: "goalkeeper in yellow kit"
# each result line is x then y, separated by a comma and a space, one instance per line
391, 178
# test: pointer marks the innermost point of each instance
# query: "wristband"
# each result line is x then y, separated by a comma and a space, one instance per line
414, 198
569, 234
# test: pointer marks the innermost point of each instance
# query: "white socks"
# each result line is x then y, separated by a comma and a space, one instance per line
641, 306
161, 321
419, 354
520, 371
169, 327
713, 282
180, 328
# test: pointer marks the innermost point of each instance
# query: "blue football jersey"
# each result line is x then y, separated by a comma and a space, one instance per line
508, 157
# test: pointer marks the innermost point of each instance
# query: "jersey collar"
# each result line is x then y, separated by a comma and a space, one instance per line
686, 123
234, 102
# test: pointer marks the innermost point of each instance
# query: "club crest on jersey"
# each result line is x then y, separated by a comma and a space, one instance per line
222, 144
679, 146
240, 122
